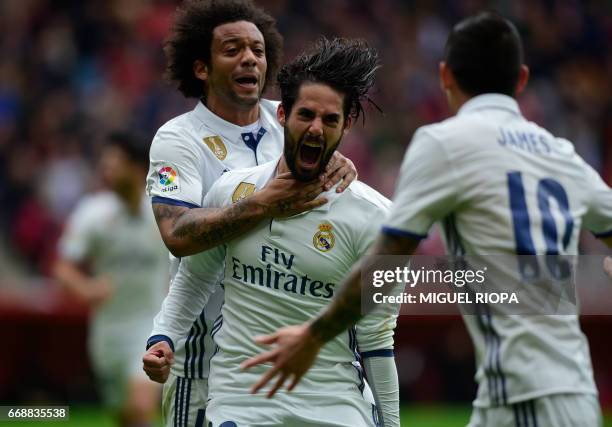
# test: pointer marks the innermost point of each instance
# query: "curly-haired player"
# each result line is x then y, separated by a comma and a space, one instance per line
195, 26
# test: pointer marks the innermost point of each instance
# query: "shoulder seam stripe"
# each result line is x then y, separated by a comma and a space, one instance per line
173, 202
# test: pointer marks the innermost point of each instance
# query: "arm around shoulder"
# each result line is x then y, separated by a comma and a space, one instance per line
188, 231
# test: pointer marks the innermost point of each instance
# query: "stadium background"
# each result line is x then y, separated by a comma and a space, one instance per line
70, 71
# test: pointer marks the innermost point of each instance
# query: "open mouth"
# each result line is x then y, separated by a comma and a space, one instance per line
247, 81
310, 153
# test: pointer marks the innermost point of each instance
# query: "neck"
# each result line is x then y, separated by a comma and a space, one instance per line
131, 196
238, 115
456, 100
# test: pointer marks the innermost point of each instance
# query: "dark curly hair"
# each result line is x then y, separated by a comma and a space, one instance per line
192, 34
347, 65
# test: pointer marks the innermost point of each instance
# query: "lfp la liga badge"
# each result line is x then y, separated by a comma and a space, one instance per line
168, 179
324, 239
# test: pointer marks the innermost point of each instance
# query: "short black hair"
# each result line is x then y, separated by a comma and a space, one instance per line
485, 54
347, 65
192, 34
133, 144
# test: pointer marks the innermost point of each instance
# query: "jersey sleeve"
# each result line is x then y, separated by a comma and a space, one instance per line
426, 188
77, 238
367, 232
383, 380
598, 218
197, 278
175, 170
375, 331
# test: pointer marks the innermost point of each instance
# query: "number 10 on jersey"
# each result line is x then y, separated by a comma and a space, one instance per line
548, 189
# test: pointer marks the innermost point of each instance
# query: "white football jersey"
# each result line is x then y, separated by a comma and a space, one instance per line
188, 154
126, 248
499, 184
283, 273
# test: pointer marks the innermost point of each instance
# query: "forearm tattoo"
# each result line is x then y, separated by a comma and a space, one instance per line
209, 227
163, 212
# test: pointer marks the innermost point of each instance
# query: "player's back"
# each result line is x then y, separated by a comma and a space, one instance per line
515, 189
519, 189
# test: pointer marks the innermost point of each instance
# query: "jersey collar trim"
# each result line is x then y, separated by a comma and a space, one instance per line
233, 133
488, 101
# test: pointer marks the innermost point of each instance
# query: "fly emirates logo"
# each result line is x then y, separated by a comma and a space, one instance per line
272, 277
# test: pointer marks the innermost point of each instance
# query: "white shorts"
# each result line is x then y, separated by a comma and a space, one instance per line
557, 410
286, 409
184, 402
116, 358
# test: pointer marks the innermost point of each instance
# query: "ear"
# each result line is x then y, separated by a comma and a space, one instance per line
348, 122
280, 114
447, 80
523, 79
200, 70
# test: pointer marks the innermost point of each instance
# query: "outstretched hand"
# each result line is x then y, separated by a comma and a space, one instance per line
294, 353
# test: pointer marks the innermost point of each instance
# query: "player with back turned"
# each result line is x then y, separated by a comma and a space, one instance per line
498, 184
287, 269
222, 53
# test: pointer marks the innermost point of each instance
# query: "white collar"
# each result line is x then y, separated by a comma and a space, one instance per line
230, 131
490, 100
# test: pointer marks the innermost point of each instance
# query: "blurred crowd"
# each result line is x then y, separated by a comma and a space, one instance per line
71, 71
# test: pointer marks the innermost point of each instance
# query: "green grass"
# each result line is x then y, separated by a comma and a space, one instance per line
411, 415
446, 416
435, 415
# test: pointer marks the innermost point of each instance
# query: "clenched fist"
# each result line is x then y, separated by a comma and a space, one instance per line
157, 361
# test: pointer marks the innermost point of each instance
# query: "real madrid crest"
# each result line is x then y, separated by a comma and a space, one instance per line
324, 239
244, 190
217, 146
